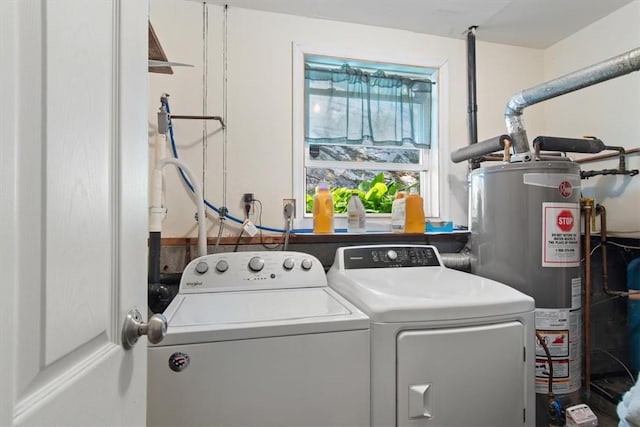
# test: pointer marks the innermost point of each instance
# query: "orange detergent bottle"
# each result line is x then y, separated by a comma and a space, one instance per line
323, 210
414, 213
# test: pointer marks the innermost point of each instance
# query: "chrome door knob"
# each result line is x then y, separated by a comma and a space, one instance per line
133, 328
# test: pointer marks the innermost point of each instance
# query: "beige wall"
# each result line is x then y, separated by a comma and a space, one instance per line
609, 110
259, 116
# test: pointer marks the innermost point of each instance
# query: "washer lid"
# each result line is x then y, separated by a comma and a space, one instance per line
426, 294
219, 316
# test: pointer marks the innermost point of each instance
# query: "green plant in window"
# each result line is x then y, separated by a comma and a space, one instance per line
376, 195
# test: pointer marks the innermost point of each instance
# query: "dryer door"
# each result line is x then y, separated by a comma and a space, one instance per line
468, 376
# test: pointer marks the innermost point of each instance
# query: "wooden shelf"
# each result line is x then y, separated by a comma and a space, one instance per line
309, 238
157, 53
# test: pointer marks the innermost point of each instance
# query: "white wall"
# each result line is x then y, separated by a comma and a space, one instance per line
259, 139
609, 110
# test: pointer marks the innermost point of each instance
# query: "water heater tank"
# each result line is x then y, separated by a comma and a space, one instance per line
525, 232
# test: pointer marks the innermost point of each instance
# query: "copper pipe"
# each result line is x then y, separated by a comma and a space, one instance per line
507, 150
606, 156
587, 207
492, 158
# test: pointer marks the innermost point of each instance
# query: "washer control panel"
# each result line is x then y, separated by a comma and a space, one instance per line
392, 256
236, 271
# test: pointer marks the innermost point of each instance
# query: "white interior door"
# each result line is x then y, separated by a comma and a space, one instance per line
73, 199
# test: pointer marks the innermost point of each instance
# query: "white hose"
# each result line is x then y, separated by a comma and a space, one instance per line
197, 191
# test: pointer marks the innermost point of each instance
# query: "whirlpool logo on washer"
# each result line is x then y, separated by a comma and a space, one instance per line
193, 284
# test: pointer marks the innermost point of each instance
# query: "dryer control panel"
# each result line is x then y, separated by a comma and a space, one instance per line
390, 257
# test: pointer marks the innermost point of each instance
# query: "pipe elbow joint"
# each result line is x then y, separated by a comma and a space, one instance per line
515, 105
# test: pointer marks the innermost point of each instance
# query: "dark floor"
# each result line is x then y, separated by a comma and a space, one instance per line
606, 420
606, 391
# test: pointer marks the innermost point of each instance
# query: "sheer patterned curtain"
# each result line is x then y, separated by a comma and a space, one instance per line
349, 105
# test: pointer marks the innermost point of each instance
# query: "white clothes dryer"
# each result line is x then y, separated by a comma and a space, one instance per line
259, 339
448, 349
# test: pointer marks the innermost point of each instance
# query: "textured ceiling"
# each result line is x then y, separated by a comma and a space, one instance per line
528, 23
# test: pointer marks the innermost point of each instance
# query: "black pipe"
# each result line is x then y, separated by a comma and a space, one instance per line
471, 89
571, 145
154, 257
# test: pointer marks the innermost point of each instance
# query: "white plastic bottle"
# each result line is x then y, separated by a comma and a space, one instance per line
398, 212
356, 214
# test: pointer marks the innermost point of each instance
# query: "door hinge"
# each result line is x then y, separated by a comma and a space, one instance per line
524, 354
524, 415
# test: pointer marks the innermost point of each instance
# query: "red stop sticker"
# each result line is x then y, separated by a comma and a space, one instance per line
564, 221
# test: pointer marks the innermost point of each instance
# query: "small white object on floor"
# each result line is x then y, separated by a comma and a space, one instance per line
581, 416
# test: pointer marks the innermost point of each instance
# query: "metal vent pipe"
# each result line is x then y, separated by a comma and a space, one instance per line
597, 73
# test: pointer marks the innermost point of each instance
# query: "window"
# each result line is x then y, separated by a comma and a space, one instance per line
358, 123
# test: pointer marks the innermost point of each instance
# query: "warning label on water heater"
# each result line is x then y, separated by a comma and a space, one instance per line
559, 332
560, 234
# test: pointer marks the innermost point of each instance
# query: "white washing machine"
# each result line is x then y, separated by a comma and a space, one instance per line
447, 348
259, 339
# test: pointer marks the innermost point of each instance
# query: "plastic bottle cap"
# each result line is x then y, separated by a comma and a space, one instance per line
323, 186
413, 190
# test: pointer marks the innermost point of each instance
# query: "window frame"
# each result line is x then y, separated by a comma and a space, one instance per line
434, 198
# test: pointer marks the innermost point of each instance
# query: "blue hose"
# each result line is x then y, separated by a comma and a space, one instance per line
174, 150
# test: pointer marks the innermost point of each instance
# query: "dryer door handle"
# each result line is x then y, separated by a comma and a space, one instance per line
420, 401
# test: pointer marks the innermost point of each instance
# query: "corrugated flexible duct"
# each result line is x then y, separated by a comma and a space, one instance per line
597, 73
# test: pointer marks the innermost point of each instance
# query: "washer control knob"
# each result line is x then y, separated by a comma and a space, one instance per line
306, 264
202, 267
222, 266
288, 263
256, 264
392, 255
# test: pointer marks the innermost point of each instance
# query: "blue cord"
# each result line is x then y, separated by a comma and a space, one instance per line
174, 149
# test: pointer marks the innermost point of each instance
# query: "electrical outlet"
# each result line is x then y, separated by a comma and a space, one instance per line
247, 197
285, 202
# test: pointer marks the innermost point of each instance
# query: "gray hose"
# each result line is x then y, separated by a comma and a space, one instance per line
457, 261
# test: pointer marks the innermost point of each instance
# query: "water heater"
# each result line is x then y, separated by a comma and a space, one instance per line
525, 232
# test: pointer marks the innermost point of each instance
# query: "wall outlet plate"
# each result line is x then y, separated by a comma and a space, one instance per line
285, 202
